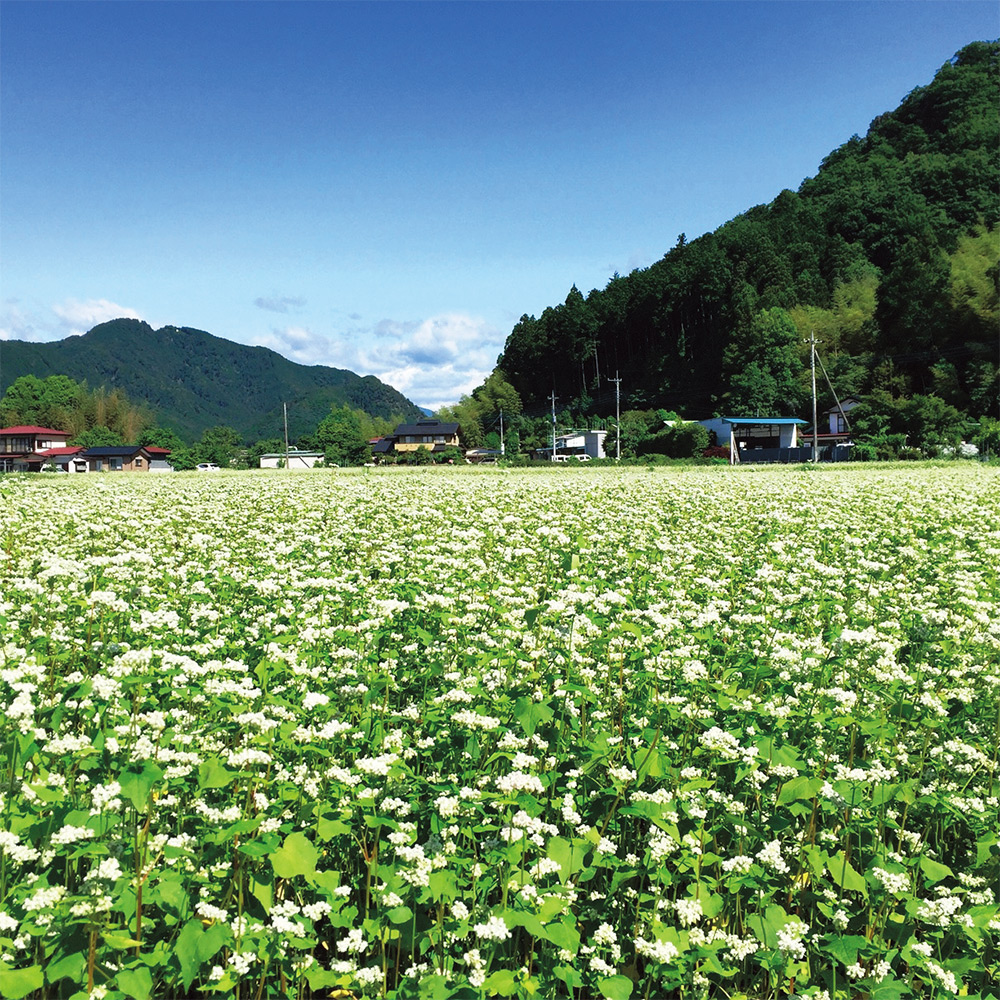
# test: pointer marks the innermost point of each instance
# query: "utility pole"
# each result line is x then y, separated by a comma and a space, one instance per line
553, 425
502, 449
812, 358
618, 421
285, 408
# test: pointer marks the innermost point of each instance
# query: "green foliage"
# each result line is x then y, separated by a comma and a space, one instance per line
340, 439
161, 437
479, 414
220, 445
680, 440
987, 437
62, 404
98, 437
763, 367
902, 427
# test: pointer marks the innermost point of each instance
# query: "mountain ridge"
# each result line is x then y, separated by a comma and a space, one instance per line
192, 379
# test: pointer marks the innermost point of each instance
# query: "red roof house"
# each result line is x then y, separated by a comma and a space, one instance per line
21, 447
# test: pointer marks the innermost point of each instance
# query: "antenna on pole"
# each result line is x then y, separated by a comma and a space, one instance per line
618, 422
285, 409
553, 425
812, 358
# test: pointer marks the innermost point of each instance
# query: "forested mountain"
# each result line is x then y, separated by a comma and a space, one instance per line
889, 254
193, 381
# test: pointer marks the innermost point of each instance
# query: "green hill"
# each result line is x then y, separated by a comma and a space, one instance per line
193, 380
889, 254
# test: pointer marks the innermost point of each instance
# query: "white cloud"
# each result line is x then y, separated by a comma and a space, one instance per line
78, 317
432, 362
67, 319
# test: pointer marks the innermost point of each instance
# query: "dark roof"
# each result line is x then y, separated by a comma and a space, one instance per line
426, 427
382, 447
763, 420
121, 451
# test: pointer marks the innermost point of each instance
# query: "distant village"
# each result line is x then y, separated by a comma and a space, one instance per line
743, 439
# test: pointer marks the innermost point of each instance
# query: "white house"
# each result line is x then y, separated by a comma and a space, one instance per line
575, 444
296, 459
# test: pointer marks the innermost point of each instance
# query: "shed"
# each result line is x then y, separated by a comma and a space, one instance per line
759, 439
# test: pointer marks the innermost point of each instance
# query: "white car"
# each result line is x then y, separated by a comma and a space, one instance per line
207, 467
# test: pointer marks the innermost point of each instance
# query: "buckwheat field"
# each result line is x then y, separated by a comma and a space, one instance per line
465, 733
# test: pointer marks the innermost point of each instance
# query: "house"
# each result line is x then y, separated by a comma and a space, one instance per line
575, 444
296, 459
434, 435
759, 439
837, 415
66, 459
834, 444
21, 447
119, 458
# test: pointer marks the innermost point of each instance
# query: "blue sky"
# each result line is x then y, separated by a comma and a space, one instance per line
388, 187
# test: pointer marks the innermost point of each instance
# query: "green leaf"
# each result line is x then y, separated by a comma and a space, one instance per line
262, 891
329, 827
136, 983
296, 856
18, 983
563, 936
531, 615
765, 926
120, 942
934, 870
443, 885
567, 854
530, 713
196, 944
399, 915
845, 875
845, 948
137, 782
799, 788
213, 774
433, 988
528, 921
885, 989
501, 983
615, 987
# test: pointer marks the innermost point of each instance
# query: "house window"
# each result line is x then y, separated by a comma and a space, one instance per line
138, 463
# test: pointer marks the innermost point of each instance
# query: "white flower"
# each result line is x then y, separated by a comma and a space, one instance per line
657, 951
495, 929
770, 857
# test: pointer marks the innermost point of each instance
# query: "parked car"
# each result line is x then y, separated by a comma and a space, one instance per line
207, 467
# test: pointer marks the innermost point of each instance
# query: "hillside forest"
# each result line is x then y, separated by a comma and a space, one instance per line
888, 256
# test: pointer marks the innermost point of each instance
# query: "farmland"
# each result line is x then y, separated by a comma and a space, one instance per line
448, 733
